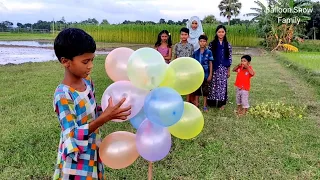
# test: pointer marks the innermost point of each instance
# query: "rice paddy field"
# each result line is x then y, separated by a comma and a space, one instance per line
242, 36
147, 34
308, 60
308, 46
305, 64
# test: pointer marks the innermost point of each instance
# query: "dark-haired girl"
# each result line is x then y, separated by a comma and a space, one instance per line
222, 54
164, 44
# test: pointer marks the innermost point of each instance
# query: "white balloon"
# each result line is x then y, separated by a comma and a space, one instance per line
134, 97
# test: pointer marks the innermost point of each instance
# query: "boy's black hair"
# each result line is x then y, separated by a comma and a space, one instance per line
247, 57
204, 37
185, 30
72, 42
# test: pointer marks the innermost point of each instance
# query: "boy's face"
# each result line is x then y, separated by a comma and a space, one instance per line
244, 62
184, 36
80, 66
202, 43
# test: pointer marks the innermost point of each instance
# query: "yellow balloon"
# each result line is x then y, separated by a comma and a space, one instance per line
189, 75
190, 125
169, 78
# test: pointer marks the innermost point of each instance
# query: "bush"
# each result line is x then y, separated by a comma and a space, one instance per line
276, 111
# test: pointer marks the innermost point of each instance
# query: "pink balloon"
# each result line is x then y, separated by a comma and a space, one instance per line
118, 150
116, 63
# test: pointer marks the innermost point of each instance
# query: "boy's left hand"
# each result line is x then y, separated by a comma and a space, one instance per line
209, 79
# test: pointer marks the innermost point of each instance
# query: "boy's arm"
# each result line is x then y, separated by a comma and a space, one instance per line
192, 50
236, 68
75, 138
210, 71
251, 71
175, 51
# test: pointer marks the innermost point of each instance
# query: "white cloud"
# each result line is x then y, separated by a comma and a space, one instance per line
115, 11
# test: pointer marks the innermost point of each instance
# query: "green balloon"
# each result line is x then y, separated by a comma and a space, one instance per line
146, 68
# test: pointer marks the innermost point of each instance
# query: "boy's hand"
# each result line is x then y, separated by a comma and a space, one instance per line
228, 74
115, 112
209, 79
246, 65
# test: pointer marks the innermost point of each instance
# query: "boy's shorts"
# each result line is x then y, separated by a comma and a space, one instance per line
203, 90
242, 98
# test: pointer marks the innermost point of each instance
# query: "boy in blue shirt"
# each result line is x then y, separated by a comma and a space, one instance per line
205, 57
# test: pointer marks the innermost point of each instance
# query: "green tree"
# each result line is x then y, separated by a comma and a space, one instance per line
210, 19
229, 8
105, 22
313, 25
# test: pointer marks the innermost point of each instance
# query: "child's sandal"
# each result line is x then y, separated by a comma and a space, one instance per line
205, 109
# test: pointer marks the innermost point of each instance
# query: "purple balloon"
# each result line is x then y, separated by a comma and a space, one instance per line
153, 141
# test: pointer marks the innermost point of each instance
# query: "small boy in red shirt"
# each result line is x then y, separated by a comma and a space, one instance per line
244, 74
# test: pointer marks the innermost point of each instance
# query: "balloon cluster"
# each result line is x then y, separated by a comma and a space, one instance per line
153, 89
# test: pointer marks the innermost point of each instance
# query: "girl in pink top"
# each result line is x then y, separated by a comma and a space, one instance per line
164, 44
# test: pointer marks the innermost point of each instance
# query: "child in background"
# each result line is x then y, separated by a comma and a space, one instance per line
244, 74
163, 45
195, 27
205, 57
184, 49
77, 110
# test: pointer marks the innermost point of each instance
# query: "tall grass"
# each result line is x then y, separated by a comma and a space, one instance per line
307, 60
309, 46
147, 34
305, 64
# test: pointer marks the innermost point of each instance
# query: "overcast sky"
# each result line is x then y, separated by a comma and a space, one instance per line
115, 11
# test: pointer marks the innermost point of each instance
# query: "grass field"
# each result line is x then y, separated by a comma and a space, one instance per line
228, 147
146, 34
309, 60
25, 36
309, 46
304, 64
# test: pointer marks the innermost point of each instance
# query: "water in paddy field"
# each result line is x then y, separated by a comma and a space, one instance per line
17, 52
27, 43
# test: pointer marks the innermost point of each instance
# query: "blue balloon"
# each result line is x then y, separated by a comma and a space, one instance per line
163, 106
138, 119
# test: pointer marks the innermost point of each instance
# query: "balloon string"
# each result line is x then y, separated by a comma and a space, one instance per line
150, 171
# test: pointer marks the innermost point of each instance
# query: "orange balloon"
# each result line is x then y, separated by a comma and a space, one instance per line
118, 150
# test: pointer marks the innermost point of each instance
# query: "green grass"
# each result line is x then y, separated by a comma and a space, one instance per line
307, 60
25, 36
146, 34
304, 64
308, 46
227, 148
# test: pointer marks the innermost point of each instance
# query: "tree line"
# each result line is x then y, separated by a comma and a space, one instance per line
268, 21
